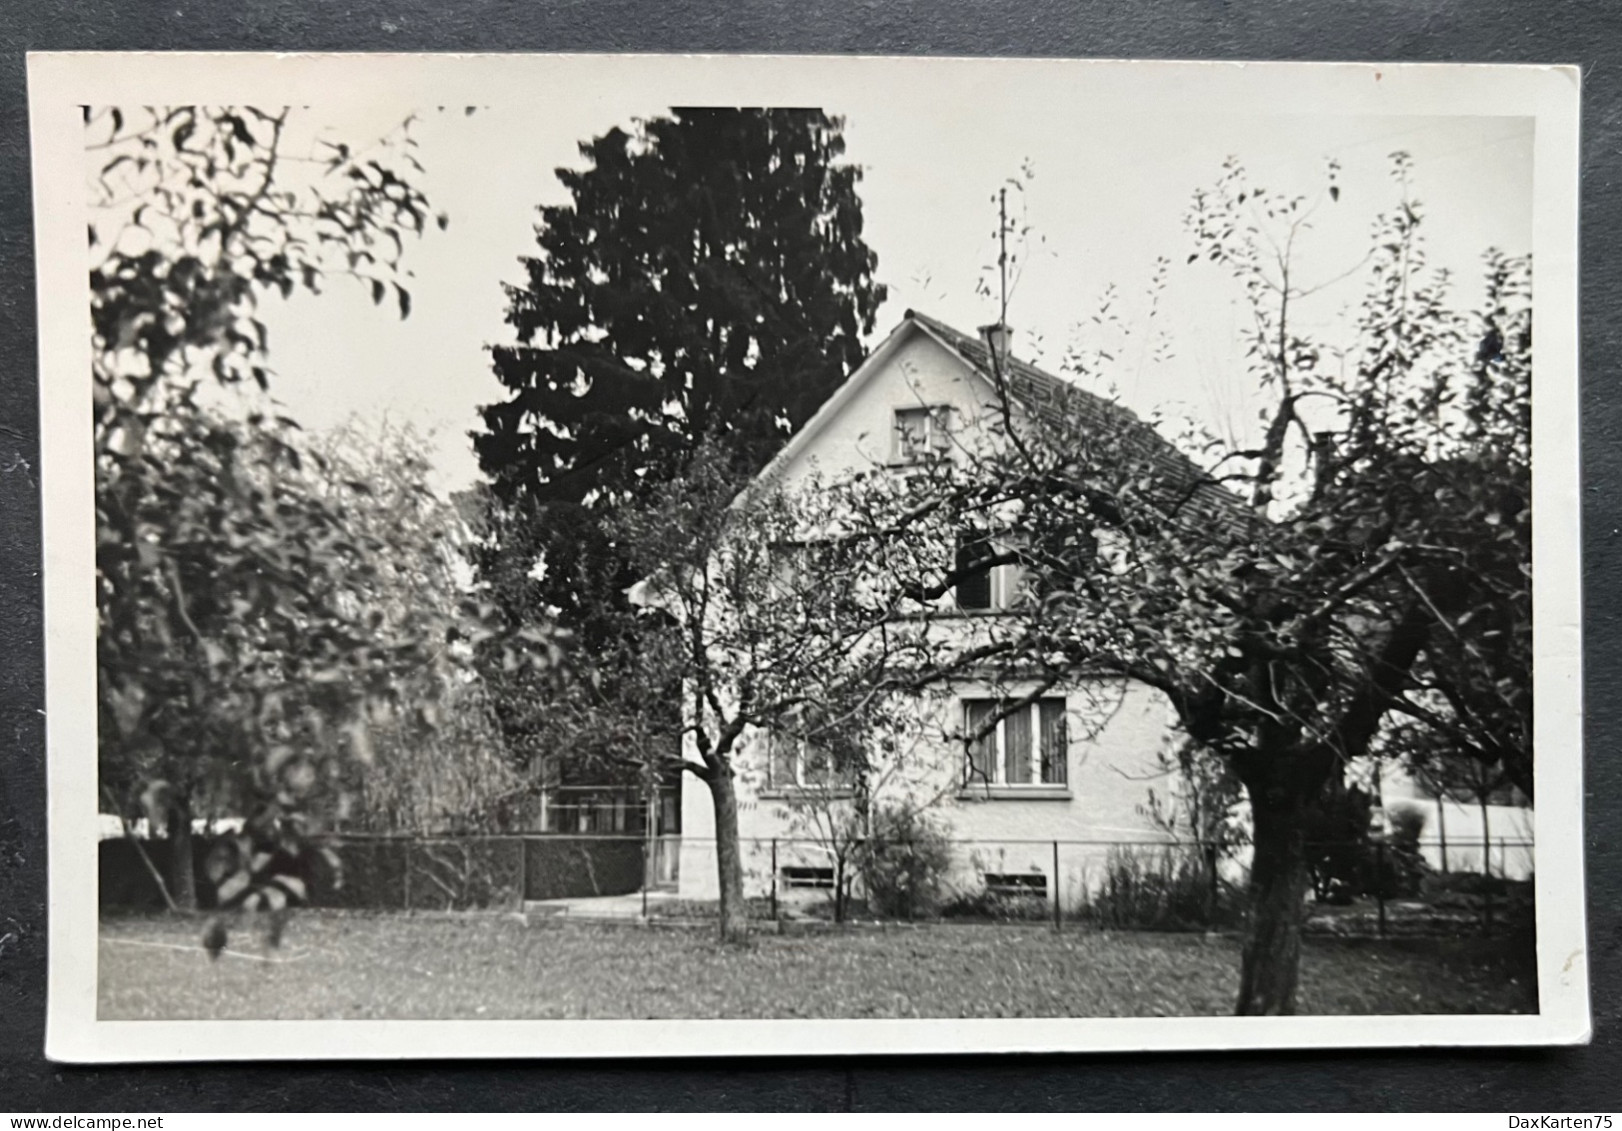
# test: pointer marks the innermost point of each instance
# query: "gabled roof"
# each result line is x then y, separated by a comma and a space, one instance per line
1047, 397
1058, 402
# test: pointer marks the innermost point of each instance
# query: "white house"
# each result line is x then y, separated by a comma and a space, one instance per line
1073, 768
1040, 805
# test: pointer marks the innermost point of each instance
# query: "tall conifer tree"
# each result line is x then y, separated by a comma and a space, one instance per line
707, 279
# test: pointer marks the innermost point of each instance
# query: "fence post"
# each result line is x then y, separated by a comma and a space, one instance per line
774, 885
1379, 880
523, 872
647, 862
1057, 909
407, 870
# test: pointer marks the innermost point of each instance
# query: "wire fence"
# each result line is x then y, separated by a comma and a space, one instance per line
1377, 886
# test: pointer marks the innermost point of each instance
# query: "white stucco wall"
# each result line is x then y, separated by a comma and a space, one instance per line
1109, 768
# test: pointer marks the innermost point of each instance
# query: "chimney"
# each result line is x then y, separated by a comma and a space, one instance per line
996, 337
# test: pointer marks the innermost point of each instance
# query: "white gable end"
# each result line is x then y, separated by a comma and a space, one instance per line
855, 429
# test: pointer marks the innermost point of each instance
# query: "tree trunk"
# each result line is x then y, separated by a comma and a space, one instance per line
1213, 890
182, 874
1271, 961
839, 888
734, 913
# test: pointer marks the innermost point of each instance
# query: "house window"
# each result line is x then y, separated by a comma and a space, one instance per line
1025, 746
788, 568
1016, 885
803, 876
985, 587
920, 432
795, 761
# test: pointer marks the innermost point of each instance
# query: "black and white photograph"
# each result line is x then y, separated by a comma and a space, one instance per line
664, 555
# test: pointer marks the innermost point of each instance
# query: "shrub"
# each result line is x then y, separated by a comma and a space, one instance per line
1401, 867
1167, 889
1341, 854
1347, 860
982, 904
904, 862
1407, 823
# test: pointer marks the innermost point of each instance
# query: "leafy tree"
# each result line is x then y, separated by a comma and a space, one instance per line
222, 581
707, 278
1471, 707
241, 658
1286, 601
437, 764
1330, 610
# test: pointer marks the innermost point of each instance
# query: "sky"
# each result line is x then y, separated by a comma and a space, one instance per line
1102, 195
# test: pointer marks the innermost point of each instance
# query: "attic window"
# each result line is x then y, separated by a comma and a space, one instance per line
920, 432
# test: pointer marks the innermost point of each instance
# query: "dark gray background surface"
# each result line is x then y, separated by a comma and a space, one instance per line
1547, 31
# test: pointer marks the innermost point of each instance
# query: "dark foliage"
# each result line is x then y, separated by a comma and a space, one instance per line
248, 639
1170, 889
390, 873
708, 278
1347, 858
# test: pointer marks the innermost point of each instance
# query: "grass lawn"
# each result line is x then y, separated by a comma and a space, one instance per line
377, 966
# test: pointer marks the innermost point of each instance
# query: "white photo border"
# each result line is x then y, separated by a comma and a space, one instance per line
60, 83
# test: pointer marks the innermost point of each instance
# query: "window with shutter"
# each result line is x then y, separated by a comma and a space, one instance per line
816, 767
813, 576
788, 569
783, 756
1058, 558
982, 586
